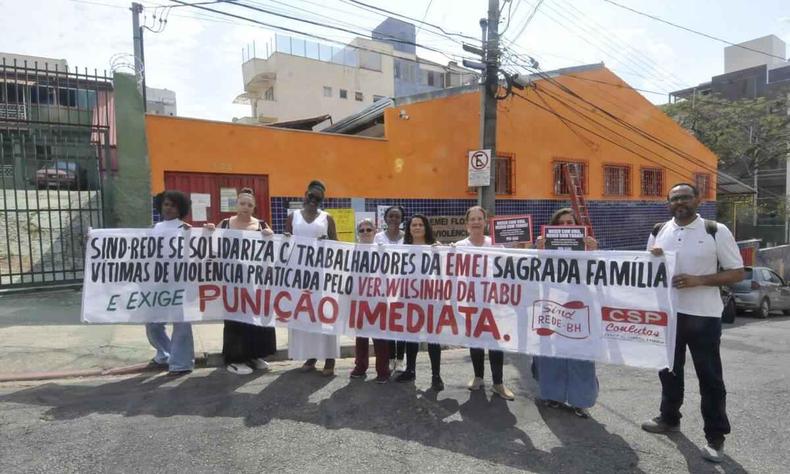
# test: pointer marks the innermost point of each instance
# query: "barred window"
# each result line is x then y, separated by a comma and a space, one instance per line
652, 182
616, 180
702, 181
563, 187
504, 174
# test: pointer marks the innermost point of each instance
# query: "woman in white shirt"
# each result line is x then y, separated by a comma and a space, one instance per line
177, 352
476, 218
311, 221
393, 235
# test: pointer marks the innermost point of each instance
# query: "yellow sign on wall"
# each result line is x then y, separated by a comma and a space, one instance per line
344, 223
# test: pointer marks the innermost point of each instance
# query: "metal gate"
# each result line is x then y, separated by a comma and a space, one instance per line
55, 144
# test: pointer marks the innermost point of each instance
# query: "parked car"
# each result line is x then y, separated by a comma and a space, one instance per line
62, 175
730, 310
761, 292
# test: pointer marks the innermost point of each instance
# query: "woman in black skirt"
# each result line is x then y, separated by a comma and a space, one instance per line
244, 346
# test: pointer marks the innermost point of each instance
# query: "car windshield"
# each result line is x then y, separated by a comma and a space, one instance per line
746, 283
65, 165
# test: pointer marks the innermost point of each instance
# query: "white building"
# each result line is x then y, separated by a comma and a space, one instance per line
160, 101
294, 79
767, 50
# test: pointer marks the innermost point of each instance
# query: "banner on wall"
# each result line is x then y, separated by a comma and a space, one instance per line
613, 307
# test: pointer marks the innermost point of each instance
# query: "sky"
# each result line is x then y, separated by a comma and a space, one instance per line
199, 54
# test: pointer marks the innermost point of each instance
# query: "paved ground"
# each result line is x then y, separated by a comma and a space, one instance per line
288, 421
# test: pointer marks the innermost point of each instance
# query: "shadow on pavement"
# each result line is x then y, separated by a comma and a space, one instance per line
696, 463
483, 426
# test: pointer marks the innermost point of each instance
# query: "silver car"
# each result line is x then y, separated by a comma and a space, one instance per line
762, 291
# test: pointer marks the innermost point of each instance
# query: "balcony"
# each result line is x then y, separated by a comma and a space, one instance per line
13, 111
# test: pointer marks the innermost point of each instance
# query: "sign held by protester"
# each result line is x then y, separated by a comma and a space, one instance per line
564, 237
511, 229
610, 307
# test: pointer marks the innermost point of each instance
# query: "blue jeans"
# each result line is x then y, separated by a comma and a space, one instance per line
702, 335
178, 351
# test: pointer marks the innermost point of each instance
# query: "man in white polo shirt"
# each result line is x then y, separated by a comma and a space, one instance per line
707, 257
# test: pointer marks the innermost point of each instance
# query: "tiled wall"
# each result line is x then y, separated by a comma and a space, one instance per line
620, 225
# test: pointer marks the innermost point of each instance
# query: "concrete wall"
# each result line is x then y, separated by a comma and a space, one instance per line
299, 86
737, 58
128, 192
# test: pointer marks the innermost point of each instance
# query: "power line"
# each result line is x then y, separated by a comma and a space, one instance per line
298, 32
385, 12
619, 43
526, 23
690, 30
424, 16
593, 132
338, 28
599, 42
622, 122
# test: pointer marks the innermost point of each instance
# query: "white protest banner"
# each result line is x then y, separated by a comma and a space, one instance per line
612, 307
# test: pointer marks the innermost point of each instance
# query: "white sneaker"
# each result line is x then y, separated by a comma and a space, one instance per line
260, 364
712, 454
393, 364
475, 384
239, 369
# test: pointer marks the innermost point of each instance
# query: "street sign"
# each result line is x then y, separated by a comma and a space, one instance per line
479, 168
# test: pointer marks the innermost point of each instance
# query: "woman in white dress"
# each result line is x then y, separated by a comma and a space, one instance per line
311, 221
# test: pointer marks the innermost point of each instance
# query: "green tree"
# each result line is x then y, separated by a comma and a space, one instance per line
754, 130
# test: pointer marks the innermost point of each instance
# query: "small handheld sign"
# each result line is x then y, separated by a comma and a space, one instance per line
564, 237
511, 229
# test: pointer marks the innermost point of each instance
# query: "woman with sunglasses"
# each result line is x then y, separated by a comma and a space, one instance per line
392, 235
570, 382
365, 233
312, 221
419, 232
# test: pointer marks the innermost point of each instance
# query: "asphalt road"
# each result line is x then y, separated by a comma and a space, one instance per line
288, 421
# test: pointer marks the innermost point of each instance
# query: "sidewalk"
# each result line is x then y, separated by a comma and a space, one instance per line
41, 332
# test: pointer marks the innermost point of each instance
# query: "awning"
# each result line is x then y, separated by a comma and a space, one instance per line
728, 185
302, 124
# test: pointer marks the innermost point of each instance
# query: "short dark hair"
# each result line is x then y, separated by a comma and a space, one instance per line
181, 200
399, 208
316, 184
247, 191
555, 218
693, 188
429, 238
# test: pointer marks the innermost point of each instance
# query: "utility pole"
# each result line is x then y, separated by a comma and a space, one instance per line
487, 194
489, 87
139, 55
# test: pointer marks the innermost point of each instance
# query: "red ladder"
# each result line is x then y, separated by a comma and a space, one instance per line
578, 202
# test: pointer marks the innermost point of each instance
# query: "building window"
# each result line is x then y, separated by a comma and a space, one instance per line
327, 91
377, 98
430, 78
504, 173
652, 182
702, 181
343, 94
561, 186
616, 180
370, 60
269, 94
358, 96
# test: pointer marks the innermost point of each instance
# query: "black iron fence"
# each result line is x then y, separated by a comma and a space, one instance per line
56, 141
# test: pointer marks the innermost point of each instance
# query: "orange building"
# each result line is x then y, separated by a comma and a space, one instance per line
412, 151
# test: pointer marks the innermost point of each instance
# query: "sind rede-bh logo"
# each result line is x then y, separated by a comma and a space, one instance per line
571, 319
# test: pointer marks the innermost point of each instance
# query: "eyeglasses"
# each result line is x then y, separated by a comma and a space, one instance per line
365, 231
681, 198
